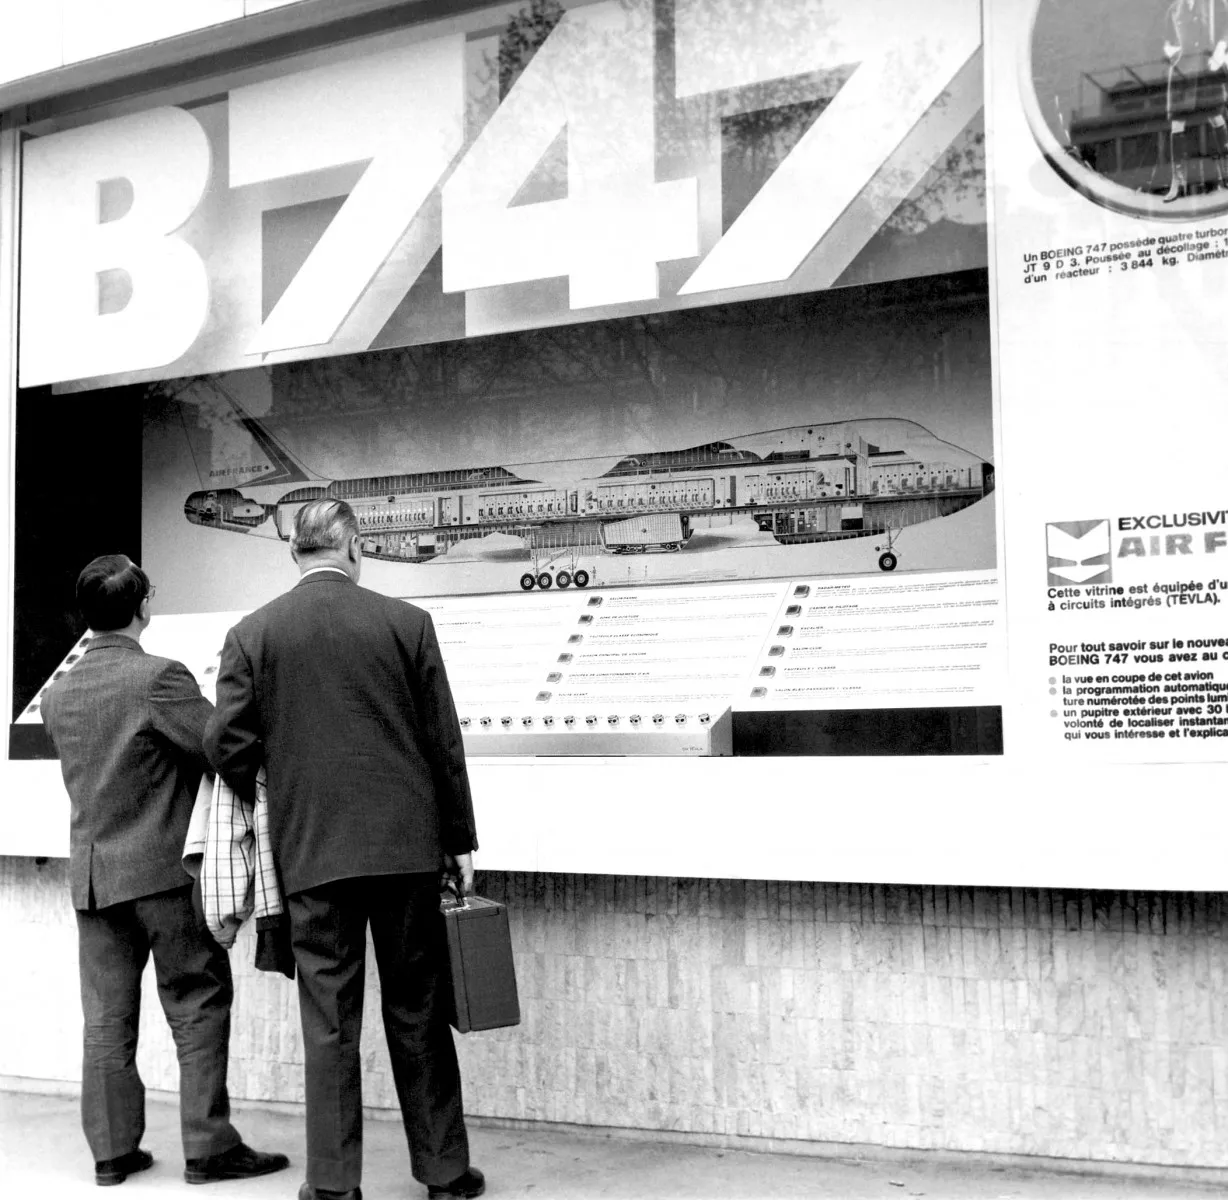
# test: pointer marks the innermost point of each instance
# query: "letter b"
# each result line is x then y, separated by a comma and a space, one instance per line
66, 246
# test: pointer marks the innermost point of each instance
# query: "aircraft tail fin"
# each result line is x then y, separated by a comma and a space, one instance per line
283, 466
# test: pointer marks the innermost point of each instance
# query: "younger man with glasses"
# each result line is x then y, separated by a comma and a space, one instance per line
128, 727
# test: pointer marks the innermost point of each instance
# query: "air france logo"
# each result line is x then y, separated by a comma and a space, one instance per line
1079, 552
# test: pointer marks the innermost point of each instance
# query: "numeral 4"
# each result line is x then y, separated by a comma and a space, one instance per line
593, 78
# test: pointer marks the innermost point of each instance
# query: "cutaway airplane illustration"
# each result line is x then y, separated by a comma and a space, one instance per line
799, 484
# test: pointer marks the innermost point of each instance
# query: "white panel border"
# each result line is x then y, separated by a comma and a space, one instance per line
968, 822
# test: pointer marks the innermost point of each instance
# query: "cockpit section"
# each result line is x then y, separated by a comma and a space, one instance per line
225, 508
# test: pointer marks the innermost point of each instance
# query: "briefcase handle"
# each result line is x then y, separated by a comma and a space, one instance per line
451, 884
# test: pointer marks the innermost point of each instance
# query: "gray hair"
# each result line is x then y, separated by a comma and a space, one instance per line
322, 525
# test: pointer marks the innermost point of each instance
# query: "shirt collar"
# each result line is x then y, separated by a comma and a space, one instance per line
317, 570
112, 641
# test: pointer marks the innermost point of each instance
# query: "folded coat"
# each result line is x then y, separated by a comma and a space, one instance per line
228, 848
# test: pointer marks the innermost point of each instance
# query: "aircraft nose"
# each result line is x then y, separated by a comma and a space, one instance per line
196, 508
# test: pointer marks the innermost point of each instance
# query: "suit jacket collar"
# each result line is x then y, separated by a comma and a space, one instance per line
337, 576
113, 641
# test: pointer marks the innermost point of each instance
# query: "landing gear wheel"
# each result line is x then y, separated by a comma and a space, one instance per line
887, 561
563, 579
528, 580
580, 578
544, 581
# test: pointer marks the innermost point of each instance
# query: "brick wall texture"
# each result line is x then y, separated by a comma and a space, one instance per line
1075, 1024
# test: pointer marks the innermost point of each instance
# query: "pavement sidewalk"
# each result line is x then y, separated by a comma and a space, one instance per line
43, 1154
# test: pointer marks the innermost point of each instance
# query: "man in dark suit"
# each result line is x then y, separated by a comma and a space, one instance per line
128, 728
341, 693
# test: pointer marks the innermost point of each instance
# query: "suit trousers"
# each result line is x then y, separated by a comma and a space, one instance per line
329, 933
194, 986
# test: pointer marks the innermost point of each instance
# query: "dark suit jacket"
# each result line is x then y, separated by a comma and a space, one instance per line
342, 693
128, 727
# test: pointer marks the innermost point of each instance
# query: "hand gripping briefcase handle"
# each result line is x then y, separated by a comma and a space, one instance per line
483, 974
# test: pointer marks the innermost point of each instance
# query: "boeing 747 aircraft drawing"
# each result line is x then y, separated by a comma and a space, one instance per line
799, 484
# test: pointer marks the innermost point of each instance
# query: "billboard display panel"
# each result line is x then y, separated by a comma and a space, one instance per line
670, 358
751, 393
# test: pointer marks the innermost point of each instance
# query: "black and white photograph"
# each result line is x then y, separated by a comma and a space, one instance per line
614, 599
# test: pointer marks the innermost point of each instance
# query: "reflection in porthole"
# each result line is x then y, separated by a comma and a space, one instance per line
1128, 101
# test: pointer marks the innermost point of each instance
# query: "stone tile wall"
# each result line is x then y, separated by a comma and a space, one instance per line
1073, 1024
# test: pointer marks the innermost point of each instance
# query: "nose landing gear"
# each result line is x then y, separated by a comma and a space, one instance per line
888, 560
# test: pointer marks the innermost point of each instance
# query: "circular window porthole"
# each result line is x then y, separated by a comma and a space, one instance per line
1128, 102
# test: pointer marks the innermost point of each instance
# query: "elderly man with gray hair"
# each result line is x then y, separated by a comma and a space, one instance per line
341, 694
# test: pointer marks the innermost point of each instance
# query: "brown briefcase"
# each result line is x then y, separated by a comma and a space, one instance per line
480, 954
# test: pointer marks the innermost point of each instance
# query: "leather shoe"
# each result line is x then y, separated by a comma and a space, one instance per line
471, 1183
111, 1171
239, 1162
307, 1192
